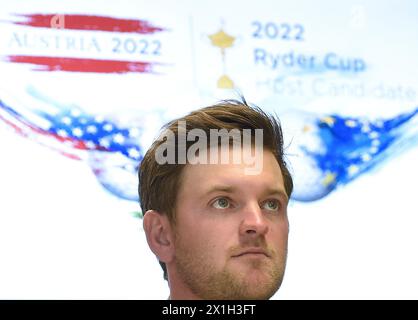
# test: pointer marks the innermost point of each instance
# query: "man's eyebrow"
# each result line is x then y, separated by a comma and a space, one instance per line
230, 189
220, 188
279, 192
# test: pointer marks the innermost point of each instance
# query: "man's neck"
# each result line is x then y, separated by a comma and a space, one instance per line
179, 290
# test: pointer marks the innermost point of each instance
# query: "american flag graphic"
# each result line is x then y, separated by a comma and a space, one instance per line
76, 134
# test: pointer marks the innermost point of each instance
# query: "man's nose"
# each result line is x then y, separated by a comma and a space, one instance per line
253, 221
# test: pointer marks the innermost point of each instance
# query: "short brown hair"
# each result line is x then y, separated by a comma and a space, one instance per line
159, 183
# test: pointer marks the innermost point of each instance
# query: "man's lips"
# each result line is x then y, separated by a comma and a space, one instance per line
251, 251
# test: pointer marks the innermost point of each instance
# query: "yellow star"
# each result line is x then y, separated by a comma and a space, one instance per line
328, 120
329, 178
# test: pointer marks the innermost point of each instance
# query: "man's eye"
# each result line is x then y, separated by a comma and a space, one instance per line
221, 203
272, 205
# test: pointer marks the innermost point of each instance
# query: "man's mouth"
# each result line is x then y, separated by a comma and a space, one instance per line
251, 252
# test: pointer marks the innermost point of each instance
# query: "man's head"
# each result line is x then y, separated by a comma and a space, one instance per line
219, 230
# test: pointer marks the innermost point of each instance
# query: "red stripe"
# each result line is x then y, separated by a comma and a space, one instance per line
87, 22
15, 127
68, 155
82, 65
25, 134
75, 143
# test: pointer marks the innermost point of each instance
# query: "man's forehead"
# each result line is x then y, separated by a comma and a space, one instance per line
203, 178
267, 158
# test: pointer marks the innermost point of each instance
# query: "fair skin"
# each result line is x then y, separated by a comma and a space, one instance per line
230, 237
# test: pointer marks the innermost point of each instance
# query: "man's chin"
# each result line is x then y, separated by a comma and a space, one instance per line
255, 283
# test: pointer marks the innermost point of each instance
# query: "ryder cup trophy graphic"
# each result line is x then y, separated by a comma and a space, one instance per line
223, 41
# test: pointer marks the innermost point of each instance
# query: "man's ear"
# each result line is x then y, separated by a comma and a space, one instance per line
159, 235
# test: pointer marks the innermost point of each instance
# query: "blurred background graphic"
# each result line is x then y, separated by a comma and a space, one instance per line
85, 87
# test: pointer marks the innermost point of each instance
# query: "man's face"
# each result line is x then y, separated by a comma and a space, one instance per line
231, 230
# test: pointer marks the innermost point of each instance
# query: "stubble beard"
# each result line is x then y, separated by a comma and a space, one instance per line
198, 272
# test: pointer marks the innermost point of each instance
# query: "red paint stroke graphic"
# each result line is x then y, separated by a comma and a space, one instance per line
82, 65
87, 22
